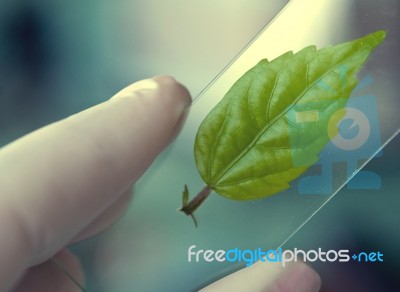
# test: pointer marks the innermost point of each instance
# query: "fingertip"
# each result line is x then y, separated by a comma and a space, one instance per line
271, 277
162, 90
170, 84
164, 79
299, 276
171, 90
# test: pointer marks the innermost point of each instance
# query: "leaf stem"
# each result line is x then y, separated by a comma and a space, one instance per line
190, 207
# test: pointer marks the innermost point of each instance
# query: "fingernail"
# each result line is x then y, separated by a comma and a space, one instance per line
169, 83
146, 84
167, 88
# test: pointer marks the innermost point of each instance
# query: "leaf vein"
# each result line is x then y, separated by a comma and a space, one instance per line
268, 125
253, 178
216, 141
250, 109
272, 96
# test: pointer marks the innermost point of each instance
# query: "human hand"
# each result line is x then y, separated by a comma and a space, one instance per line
72, 179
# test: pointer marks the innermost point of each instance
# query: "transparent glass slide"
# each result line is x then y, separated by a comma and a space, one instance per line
147, 249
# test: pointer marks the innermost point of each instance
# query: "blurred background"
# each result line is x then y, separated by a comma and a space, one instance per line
58, 58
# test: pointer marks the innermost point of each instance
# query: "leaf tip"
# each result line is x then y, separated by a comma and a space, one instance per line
376, 38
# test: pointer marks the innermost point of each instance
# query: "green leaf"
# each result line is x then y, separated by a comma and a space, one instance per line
273, 123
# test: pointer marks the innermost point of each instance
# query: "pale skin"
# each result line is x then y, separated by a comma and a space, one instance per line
72, 179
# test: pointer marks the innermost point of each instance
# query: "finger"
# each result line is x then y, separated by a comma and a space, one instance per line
107, 218
57, 180
270, 277
49, 277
